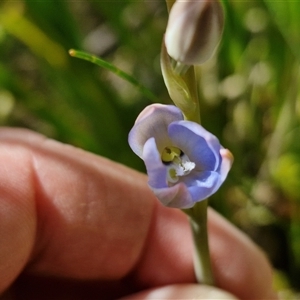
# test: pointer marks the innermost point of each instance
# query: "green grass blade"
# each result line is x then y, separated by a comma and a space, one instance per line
108, 66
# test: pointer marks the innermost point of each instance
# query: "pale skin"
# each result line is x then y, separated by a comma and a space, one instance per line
78, 226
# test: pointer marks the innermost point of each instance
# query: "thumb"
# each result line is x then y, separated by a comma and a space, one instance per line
182, 291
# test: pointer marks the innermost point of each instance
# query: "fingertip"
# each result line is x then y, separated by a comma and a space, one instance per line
182, 291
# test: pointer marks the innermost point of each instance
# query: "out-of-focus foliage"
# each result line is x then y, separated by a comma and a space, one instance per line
249, 91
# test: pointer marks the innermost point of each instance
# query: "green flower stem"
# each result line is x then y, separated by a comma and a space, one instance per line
202, 263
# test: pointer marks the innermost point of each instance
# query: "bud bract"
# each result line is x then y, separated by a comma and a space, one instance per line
194, 30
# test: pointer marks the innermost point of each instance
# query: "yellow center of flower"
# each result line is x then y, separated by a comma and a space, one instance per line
170, 153
178, 164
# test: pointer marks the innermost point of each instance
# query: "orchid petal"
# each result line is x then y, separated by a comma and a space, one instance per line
227, 160
201, 146
175, 196
204, 184
153, 122
157, 171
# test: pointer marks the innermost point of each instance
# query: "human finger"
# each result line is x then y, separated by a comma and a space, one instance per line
239, 266
65, 212
87, 218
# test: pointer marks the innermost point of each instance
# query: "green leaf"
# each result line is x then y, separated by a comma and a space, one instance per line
286, 15
106, 65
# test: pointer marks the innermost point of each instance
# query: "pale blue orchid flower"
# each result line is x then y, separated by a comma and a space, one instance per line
185, 163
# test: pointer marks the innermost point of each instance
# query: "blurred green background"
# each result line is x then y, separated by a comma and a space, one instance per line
250, 98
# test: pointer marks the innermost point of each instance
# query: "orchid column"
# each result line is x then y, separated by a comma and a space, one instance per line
185, 163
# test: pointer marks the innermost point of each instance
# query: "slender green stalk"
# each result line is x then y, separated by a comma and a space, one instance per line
108, 66
202, 263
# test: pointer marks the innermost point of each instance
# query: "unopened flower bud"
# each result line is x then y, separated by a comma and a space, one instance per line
194, 30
